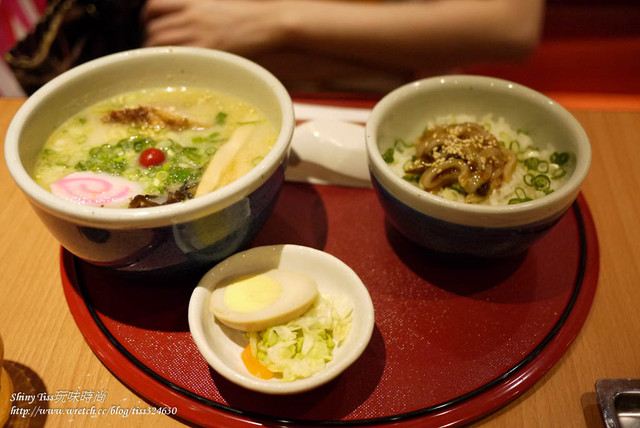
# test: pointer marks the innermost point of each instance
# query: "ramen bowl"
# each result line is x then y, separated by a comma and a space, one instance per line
202, 230
454, 227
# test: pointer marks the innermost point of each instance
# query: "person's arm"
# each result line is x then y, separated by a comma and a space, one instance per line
416, 35
399, 36
240, 26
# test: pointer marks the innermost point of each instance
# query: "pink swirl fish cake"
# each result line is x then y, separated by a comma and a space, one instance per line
96, 189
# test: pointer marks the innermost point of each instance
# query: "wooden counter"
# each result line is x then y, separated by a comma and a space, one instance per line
45, 351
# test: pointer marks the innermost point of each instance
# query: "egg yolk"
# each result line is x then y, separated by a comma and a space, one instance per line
252, 294
262, 300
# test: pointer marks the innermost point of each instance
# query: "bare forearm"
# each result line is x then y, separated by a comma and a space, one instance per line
405, 37
410, 36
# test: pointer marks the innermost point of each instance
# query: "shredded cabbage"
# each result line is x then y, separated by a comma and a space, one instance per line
304, 345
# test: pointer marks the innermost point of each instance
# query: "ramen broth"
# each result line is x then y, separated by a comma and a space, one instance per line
157, 143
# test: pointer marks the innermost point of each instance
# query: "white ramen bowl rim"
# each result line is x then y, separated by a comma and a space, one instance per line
476, 214
161, 215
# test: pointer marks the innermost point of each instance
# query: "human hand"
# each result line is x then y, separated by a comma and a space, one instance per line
240, 26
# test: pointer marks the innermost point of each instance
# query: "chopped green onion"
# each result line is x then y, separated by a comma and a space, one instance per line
520, 193
503, 136
192, 153
521, 196
387, 156
411, 178
400, 145
180, 175
541, 182
141, 144
559, 173
211, 138
528, 179
538, 182
543, 166
535, 164
532, 163
458, 188
559, 158
221, 117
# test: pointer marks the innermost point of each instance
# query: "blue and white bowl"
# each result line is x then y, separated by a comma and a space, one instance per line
462, 228
203, 230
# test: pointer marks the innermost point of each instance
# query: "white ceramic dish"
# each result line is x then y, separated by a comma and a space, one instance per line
329, 151
222, 346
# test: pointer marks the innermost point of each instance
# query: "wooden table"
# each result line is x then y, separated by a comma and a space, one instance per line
44, 350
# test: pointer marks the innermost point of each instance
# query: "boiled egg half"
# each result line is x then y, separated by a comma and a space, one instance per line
257, 302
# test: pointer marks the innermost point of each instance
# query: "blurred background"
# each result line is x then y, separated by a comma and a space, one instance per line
587, 46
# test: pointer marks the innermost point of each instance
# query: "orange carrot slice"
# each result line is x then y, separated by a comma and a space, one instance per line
254, 366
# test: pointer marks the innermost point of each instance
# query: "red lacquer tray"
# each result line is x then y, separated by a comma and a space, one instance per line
454, 340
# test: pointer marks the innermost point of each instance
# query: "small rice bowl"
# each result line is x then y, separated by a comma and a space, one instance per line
513, 190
